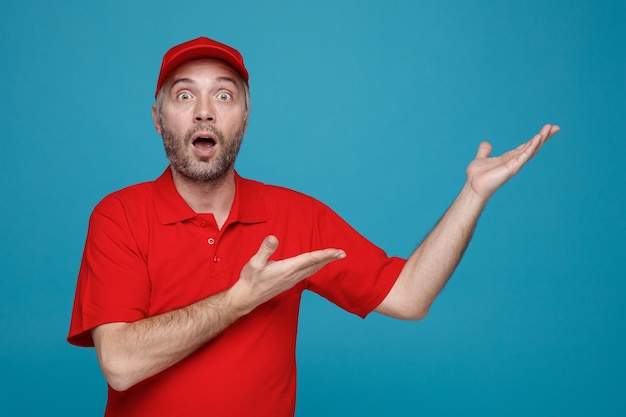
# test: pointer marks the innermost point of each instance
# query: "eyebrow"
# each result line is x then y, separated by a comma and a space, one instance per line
181, 80
191, 81
227, 79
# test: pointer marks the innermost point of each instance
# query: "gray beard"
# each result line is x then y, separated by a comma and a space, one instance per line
202, 170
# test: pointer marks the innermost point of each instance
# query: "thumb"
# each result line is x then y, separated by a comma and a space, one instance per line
267, 249
484, 150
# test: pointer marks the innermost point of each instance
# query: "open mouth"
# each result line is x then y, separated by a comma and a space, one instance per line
204, 143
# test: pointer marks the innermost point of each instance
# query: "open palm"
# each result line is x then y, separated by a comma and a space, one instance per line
486, 174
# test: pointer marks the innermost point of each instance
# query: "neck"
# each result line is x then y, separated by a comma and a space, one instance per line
211, 196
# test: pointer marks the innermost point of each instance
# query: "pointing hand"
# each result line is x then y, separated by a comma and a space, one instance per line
262, 279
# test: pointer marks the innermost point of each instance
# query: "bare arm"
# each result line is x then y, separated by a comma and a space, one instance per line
428, 269
131, 352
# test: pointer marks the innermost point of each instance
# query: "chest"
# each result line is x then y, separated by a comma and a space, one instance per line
190, 260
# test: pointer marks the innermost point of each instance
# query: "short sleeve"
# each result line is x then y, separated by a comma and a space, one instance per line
113, 283
362, 280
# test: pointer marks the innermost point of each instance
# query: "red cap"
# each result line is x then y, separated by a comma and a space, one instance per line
196, 49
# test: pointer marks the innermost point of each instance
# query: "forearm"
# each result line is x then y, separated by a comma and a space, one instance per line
131, 352
431, 265
428, 269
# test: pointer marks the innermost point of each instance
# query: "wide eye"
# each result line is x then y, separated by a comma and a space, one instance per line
184, 96
225, 96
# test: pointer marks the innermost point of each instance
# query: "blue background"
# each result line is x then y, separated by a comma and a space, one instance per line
376, 108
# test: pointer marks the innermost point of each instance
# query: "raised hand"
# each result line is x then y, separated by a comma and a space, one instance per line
262, 279
485, 175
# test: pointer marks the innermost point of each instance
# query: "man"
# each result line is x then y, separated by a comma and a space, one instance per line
190, 285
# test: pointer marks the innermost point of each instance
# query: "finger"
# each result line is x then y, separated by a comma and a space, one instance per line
526, 151
546, 132
308, 263
530, 148
322, 256
554, 129
267, 249
484, 150
516, 158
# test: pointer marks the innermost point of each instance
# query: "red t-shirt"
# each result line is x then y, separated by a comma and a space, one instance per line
148, 253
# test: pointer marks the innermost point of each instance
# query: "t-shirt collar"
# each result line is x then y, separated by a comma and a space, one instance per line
248, 206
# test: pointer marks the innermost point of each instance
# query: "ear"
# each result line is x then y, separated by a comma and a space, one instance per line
245, 126
155, 120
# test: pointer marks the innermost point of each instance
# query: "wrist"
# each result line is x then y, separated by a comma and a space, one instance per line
235, 299
470, 200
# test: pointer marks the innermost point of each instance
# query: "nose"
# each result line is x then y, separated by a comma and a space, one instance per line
204, 110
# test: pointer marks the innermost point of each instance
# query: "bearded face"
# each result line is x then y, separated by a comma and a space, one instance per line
193, 165
201, 113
